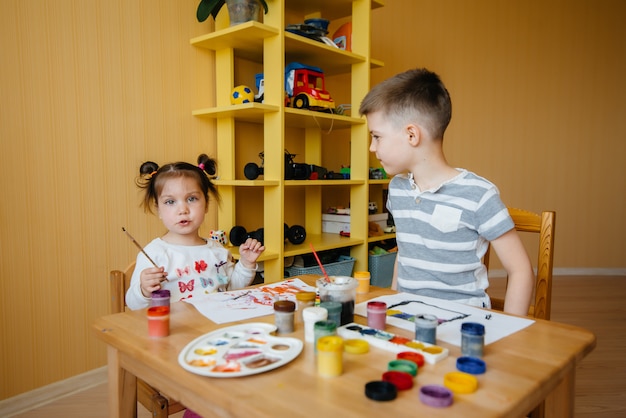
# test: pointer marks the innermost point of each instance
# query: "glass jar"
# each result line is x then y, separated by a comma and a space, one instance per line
284, 316
323, 329
426, 328
472, 339
310, 316
377, 315
159, 321
304, 300
330, 356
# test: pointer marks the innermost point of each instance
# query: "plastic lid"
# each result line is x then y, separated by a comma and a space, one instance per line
472, 328
314, 313
361, 274
402, 380
158, 311
459, 382
403, 366
356, 346
325, 325
471, 365
305, 296
331, 307
377, 306
435, 395
379, 390
161, 293
416, 358
284, 306
330, 343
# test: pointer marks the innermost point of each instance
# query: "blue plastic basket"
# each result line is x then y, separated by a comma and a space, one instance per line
381, 269
343, 267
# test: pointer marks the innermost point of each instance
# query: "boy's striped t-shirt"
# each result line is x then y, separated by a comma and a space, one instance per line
443, 233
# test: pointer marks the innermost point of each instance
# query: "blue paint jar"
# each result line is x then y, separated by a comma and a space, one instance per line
426, 328
472, 339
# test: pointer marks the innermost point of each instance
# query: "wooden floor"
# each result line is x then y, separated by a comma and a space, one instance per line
595, 303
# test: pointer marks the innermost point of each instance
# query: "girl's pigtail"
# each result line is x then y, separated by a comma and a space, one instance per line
209, 166
147, 173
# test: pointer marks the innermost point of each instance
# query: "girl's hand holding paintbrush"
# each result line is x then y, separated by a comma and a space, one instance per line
151, 278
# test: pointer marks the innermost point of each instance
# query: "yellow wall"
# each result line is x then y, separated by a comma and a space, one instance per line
90, 89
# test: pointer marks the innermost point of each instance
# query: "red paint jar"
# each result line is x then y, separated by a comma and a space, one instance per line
159, 321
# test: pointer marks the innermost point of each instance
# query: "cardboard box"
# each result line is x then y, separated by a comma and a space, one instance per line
341, 223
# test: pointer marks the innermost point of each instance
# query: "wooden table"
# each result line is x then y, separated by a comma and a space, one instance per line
524, 368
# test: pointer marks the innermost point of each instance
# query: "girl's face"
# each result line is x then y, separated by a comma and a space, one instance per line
389, 143
181, 208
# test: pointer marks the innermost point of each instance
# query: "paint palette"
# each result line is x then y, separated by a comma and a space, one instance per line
239, 350
391, 342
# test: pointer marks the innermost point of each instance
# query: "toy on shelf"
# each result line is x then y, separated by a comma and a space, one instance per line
295, 234
293, 170
305, 88
241, 94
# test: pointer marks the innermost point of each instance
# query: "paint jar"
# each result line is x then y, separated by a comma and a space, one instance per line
363, 279
334, 311
323, 329
160, 297
310, 316
340, 289
284, 316
426, 328
376, 315
330, 356
472, 339
159, 321
304, 300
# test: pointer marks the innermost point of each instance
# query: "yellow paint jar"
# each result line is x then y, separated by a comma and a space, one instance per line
330, 356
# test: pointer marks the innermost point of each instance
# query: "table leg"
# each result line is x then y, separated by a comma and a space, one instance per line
560, 402
122, 388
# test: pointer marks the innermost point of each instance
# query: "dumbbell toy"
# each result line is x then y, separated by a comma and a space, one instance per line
295, 234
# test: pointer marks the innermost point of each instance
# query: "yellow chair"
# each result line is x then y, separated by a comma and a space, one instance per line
543, 225
540, 306
157, 403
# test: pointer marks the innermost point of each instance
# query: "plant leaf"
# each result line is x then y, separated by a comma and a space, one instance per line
208, 7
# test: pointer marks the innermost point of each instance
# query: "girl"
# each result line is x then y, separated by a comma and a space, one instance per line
191, 265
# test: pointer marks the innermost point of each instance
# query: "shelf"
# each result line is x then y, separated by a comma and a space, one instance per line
246, 39
381, 238
302, 118
328, 9
294, 118
247, 112
307, 51
321, 242
379, 181
323, 182
247, 183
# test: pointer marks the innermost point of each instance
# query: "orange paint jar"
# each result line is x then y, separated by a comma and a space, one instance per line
159, 321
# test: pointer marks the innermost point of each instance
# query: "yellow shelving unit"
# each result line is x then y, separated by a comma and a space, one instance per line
268, 46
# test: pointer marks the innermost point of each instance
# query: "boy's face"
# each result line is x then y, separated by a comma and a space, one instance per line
390, 143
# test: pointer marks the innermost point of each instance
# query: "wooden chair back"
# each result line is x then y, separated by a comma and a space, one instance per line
157, 403
544, 226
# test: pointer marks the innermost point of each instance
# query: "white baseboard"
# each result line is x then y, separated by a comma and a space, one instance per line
52, 392
566, 271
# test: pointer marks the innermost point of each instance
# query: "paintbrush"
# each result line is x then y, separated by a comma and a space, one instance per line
141, 249
320, 263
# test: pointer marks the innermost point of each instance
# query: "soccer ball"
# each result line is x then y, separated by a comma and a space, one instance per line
241, 94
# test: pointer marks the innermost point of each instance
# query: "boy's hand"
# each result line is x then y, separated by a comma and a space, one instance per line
150, 280
250, 251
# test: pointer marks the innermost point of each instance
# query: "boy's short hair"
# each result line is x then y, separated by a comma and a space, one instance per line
417, 96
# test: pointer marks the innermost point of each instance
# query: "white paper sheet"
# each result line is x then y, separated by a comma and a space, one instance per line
238, 305
450, 314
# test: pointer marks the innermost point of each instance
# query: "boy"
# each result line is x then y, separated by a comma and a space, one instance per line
445, 217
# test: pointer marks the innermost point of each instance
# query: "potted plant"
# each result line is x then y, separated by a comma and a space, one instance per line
239, 10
